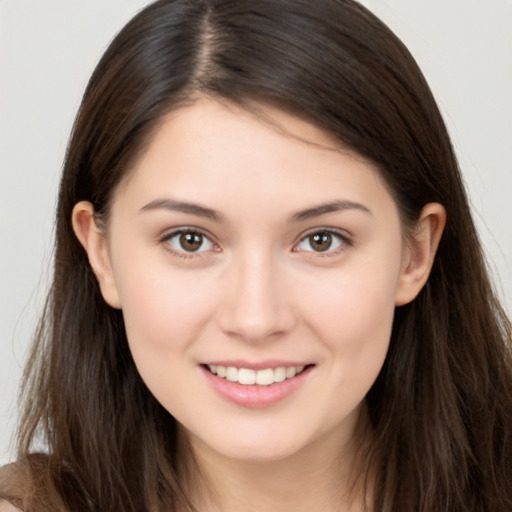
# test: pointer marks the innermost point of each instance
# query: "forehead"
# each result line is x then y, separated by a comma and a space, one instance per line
219, 152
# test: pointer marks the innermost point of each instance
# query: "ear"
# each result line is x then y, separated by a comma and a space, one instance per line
419, 252
95, 244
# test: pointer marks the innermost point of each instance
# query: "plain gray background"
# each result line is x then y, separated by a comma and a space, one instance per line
49, 48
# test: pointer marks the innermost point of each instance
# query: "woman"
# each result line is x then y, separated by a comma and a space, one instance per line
269, 293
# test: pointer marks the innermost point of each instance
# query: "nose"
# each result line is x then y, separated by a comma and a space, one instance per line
257, 304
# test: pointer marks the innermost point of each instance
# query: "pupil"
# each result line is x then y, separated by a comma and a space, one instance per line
320, 241
191, 241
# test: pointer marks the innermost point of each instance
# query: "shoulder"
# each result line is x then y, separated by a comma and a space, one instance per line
27, 485
37, 483
14, 484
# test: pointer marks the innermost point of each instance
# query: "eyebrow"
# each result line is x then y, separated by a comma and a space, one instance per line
183, 207
209, 213
331, 207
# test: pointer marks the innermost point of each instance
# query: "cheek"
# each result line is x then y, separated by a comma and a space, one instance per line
164, 315
355, 300
352, 314
164, 311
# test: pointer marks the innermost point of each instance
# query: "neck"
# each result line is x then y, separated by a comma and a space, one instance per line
317, 477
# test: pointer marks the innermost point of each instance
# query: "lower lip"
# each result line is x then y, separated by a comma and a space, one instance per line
256, 397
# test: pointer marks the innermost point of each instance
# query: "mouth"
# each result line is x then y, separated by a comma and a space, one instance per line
257, 388
251, 377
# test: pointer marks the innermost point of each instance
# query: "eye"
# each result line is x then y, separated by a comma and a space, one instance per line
188, 241
322, 242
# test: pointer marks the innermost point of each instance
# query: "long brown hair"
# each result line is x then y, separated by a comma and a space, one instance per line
441, 408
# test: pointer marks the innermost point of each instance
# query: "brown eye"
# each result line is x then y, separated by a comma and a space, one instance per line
189, 241
322, 241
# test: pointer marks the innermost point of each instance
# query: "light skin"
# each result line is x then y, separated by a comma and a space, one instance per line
232, 240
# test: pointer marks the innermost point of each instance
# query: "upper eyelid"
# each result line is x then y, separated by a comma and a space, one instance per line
171, 232
342, 233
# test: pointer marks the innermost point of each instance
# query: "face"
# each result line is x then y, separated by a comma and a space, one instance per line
257, 269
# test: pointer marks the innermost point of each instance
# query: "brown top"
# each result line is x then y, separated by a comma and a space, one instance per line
13, 478
26, 486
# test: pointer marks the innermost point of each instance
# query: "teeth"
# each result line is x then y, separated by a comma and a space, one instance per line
291, 372
250, 377
232, 374
280, 374
246, 376
265, 377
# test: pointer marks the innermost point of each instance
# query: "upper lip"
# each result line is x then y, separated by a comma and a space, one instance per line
259, 365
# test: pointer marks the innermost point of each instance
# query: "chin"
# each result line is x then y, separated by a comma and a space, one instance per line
259, 452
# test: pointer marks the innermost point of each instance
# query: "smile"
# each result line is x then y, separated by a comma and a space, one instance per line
263, 385
249, 377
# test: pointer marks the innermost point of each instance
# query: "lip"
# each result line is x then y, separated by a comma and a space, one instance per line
253, 396
260, 365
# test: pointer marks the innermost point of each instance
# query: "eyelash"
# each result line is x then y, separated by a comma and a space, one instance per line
343, 242
182, 253
343, 239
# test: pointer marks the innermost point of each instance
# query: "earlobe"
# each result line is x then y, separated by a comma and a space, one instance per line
420, 252
95, 245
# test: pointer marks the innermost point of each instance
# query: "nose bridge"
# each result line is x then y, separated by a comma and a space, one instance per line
256, 304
